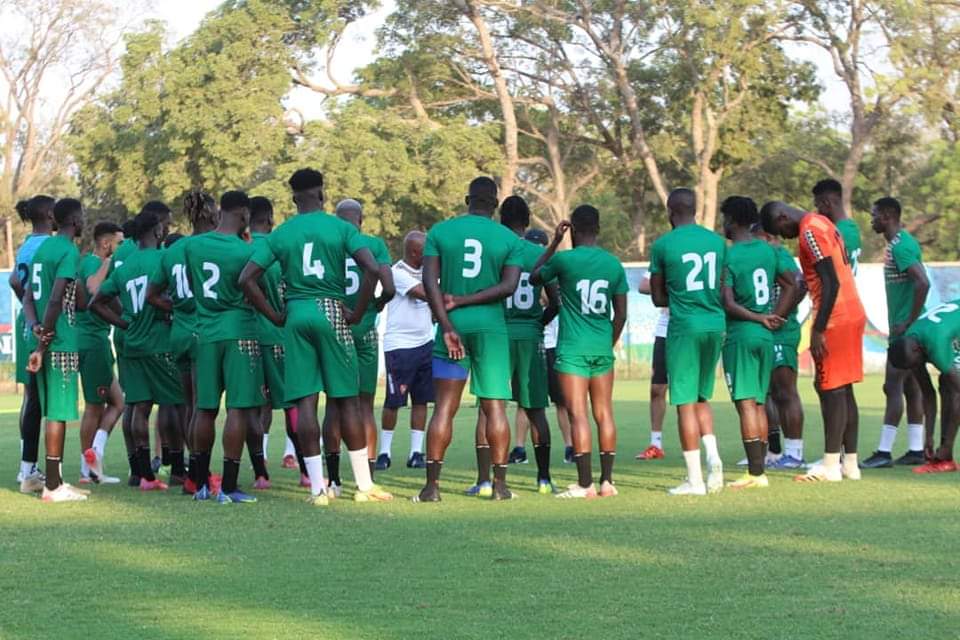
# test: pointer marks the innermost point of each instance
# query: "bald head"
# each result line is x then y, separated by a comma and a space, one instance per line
413, 248
682, 202
351, 211
780, 219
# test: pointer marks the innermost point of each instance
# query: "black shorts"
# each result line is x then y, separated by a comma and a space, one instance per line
659, 361
553, 382
409, 373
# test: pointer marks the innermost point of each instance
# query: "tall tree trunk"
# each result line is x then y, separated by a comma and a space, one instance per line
638, 219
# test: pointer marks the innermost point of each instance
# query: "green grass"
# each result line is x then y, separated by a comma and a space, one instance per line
874, 559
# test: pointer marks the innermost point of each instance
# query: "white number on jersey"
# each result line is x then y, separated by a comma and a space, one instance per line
353, 278
137, 288
472, 250
761, 287
934, 314
312, 267
523, 297
37, 282
694, 283
179, 273
593, 297
208, 284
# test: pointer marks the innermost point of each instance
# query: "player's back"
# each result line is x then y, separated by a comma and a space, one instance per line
690, 258
272, 285
174, 265
214, 262
852, 243
92, 330
938, 330
750, 271
819, 239
523, 310
58, 257
473, 250
785, 262
354, 277
147, 332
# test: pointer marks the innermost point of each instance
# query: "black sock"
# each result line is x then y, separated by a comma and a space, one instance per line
500, 475
165, 455
774, 440
194, 468
754, 449
259, 465
433, 471
584, 473
766, 448
542, 454
143, 464
302, 464
231, 469
373, 466
333, 467
134, 465
606, 466
203, 469
53, 473
483, 463
176, 463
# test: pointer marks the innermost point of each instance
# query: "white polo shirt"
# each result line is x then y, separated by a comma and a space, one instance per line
409, 321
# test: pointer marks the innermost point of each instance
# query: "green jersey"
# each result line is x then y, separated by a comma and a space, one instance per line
148, 332
92, 330
382, 255
523, 309
272, 285
214, 263
938, 332
174, 279
750, 270
312, 250
57, 258
588, 278
690, 259
902, 253
473, 252
126, 248
850, 233
790, 331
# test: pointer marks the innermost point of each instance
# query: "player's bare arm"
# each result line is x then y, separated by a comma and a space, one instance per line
739, 312
619, 315
921, 286
97, 277
552, 291
250, 283
830, 289
558, 235
431, 284
368, 284
509, 279
104, 307
157, 297
922, 377
788, 294
387, 287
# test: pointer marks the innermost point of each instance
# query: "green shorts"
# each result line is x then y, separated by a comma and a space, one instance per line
152, 378
747, 365
96, 374
368, 360
785, 355
584, 366
528, 361
58, 386
487, 360
692, 363
183, 347
231, 366
273, 364
319, 355
25, 344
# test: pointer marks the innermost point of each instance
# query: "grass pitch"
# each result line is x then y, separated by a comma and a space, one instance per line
874, 559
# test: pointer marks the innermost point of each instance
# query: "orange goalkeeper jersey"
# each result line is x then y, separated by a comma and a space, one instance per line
819, 239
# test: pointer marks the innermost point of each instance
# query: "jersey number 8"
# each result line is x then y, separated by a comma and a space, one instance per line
761, 287
523, 297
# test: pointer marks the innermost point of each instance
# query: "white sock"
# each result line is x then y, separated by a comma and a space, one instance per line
26, 468
21, 446
656, 439
361, 469
831, 460
710, 446
694, 472
314, 465
850, 461
386, 441
416, 441
289, 449
915, 437
266, 440
100, 442
793, 448
84, 467
888, 436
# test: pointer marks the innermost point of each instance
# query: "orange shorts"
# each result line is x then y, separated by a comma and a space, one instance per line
843, 362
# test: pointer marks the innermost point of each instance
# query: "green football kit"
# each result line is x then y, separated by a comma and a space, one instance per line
173, 278
312, 250
902, 253
150, 373
93, 341
938, 332
228, 349
786, 339
270, 335
690, 259
588, 278
366, 341
524, 314
850, 233
124, 250
473, 251
57, 382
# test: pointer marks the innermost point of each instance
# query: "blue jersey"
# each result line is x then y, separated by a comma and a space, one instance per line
25, 256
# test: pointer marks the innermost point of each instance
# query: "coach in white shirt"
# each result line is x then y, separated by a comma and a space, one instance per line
408, 353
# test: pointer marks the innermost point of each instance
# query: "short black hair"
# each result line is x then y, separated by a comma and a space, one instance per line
515, 212
767, 215
145, 221
106, 228
260, 209
65, 208
829, 185
171, 238
537, 236
303, 179
127, 228
741, 210
157, 207
888, 205
586, 218
483, 192
232, 200
35, 209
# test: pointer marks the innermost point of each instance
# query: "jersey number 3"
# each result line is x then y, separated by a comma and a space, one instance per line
472, 250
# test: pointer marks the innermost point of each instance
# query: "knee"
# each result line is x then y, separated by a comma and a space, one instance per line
658, 392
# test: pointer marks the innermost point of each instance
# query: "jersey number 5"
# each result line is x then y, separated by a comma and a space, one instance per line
694, 281
353, 278
37, 282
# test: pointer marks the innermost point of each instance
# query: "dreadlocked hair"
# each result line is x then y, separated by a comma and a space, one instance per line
199, 205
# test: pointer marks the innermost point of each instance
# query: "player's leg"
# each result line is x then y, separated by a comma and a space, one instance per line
365, 404
709, 347
242, 370
448, 389
94, 382
368, 364
331, 446
942, 459
893, 390
490, 375
746, 365
497, 430
851, 434
540, 434
575, 389
58, 386
658, 401
113, 410
789, 407
418, 428
913, 398
556, 397
31, 479
209, 376
833, 409
308, 436
601, 401
396, 397
682, 355
421, 394
354, 436
483, 487
518, 455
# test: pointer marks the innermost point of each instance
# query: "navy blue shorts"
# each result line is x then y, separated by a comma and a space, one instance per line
409, 373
